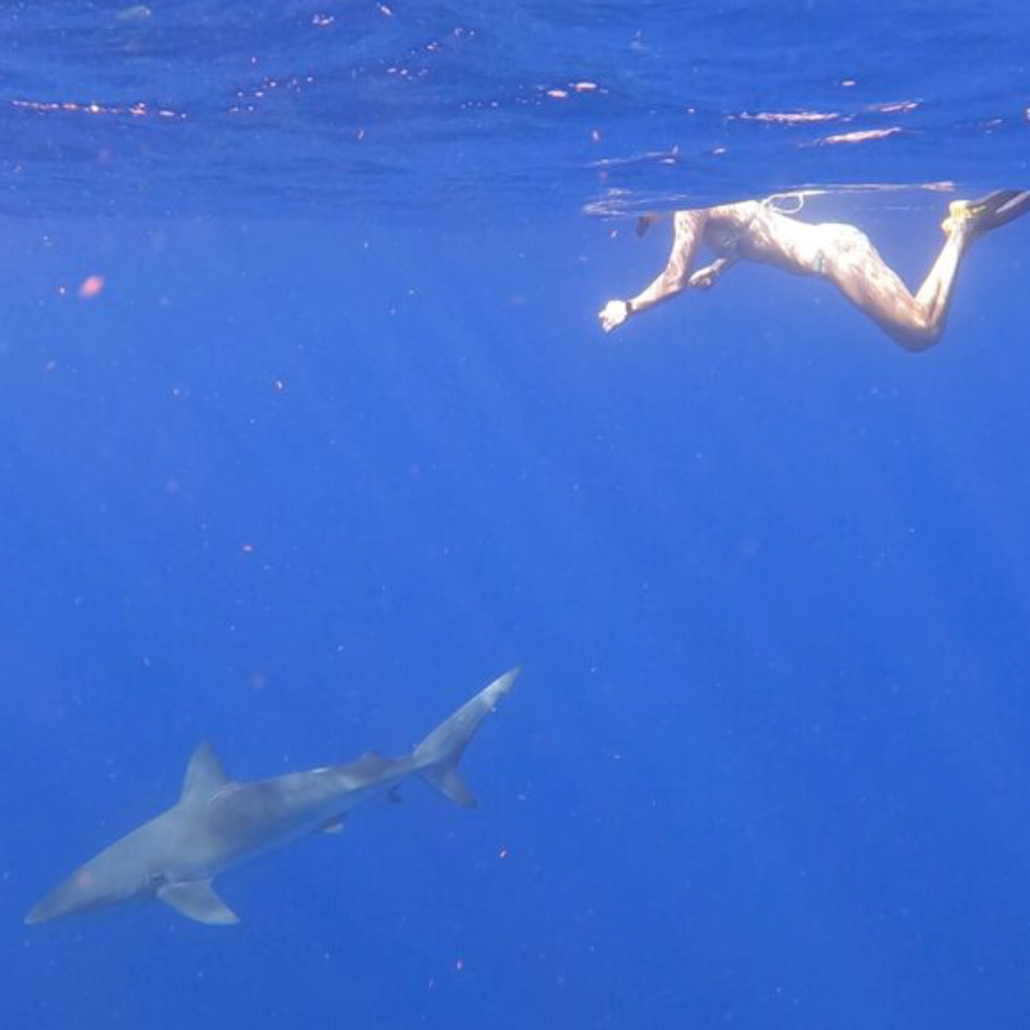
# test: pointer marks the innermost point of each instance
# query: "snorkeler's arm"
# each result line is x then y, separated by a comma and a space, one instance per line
674, 278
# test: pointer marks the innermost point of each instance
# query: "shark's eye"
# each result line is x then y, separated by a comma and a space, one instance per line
155, 881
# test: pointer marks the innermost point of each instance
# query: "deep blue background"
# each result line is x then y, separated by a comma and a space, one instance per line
301, 485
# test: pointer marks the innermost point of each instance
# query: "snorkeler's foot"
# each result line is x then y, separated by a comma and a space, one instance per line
975, 217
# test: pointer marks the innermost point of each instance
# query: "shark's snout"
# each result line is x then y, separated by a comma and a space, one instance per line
57, 903
81, 892
35, 916
39, 913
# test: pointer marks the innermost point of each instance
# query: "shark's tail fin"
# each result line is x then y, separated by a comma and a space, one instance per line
437, 757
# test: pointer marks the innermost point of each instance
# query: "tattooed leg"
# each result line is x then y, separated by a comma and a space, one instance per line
852, 263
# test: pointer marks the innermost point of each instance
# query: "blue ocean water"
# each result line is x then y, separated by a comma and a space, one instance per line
308, 430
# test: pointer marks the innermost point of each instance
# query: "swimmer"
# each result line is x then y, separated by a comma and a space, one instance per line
761, 232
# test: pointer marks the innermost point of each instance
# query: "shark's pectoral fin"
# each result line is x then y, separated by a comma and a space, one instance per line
197, 900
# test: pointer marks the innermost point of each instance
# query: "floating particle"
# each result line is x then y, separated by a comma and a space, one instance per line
558, 94
584, 87
91, 287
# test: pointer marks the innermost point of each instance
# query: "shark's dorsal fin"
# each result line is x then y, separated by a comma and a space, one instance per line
204, 776
197, 900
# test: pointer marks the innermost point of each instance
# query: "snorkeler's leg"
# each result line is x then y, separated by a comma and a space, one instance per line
916, 323
674, 278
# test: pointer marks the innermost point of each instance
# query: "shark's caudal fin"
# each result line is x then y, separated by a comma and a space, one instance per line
436, 758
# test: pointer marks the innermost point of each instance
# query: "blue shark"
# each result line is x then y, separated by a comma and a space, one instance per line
219, 823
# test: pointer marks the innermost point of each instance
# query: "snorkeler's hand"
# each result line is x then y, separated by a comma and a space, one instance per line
705, 278
613, 314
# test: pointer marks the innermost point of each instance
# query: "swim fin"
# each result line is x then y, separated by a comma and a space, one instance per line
989, 212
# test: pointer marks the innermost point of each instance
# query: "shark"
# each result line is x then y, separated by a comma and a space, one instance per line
219, 823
